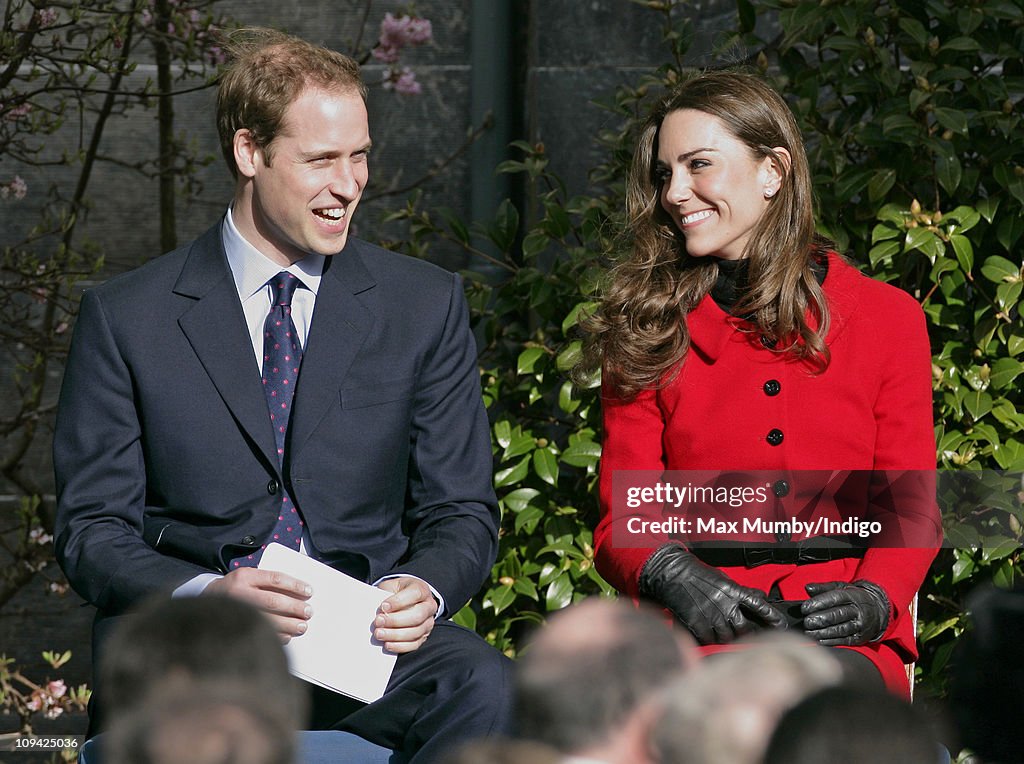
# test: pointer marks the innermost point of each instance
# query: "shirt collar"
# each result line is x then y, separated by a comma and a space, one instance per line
252, 269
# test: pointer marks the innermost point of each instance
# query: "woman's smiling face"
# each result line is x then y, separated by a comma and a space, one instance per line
714, 190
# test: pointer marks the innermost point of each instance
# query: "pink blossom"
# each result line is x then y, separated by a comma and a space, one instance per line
396, 33
216, 55
57, 688
16, 188
17, 112
386, 53
145, 18
35, 702
39, 536
407, 84
46, 17
402, 81
420, 31
52, 712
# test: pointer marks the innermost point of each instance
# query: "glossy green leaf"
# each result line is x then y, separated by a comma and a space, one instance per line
964, 251
512, 475
966, 218
915, 29
884, 251
952, 119
997, 269
1008, 294
1009, 455
582, 454
545, 465
881, 183
528, 359
466, 618
573, 316
883, 232
526, 520
566, 401
518, 499
924, 240
948, 172
501, 597
559, 593
978, 403
961, 44
569, 357
988, 208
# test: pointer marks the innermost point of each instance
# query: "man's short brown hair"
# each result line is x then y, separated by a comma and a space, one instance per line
266, 71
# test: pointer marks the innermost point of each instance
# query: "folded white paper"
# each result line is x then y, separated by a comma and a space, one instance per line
338, 650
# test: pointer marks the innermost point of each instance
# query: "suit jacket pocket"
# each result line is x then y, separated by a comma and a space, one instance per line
357, 397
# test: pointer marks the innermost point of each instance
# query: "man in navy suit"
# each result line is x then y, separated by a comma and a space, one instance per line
170, 475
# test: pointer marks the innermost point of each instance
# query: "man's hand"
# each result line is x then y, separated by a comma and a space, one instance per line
406, 618
280, 596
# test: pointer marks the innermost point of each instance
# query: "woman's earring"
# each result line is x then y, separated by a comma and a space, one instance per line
769, 192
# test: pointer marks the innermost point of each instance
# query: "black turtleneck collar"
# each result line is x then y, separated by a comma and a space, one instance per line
732, 280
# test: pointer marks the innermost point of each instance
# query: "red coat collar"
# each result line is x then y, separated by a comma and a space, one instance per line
711, 327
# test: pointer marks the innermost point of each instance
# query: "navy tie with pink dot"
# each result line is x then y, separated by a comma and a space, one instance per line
282, 356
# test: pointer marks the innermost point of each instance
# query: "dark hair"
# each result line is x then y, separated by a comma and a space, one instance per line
638, 334
847, 725
202, 723
988, 673
572, 696
210, 638
266, 71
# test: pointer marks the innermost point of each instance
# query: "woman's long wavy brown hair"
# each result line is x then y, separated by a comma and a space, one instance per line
638, 334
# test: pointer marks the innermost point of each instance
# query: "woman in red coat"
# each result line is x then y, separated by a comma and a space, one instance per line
734, 341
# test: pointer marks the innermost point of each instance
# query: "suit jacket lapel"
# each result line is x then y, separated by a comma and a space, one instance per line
215, 327
340, 326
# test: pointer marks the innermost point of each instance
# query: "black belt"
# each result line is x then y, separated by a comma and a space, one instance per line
752, 554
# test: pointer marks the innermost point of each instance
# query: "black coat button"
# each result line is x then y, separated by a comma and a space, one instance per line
783, 537
772, 387
775, 437
249, 540
768, 342
273, 487
780, 488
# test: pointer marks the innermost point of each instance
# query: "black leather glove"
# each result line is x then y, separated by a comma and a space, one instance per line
845, 614
705, 600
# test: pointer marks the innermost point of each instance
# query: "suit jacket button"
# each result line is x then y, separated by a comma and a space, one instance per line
783, 537
249, 540
272, 487
780, 488
775, 437
772, 387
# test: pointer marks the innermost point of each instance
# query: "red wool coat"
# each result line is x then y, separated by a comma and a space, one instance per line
871, 409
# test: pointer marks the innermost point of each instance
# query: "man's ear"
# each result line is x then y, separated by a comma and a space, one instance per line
247, 154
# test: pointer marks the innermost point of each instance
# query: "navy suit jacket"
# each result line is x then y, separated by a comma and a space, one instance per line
164, 453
